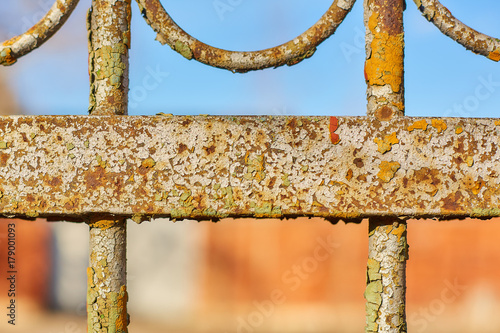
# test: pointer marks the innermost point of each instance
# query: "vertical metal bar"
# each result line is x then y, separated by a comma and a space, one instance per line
108, 25
386, 277
384, 67
388, 248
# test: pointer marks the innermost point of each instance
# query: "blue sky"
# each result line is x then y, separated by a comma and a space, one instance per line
442, 78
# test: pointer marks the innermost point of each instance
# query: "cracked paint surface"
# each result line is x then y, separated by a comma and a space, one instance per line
108, 27
107, 295
386, 281
208, 167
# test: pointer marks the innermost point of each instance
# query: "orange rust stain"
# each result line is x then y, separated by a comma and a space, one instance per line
385, 113
349, 174
388, 170
385, 65
439, 124
334, 124
420, 124
459, 130
497, 122
495, 55
385, 145
122, 320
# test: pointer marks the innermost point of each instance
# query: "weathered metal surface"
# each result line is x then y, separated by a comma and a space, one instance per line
387, 246
386, 276
449, 25
290, 53
210, 167
108, 24
18, 46
384, 66
107, 293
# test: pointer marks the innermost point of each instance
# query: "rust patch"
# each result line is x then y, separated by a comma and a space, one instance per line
385, 113
359, 162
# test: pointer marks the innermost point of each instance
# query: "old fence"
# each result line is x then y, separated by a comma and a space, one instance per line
386, 167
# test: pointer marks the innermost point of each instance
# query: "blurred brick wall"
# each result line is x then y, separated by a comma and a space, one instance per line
33, 264
266, 275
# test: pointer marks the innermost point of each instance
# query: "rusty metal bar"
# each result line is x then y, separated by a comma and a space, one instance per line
290, 53
449, 25
386, 276
384, 66
21, 45
387, 245
108, 25
207, 167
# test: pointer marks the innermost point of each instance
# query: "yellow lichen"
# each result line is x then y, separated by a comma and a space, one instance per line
388, 170
385, 145
148, 163
458, 129
6, 57
385, 65
103, 224
494, 55
420, 124
439, 124
470, 161
399, 231
497, 122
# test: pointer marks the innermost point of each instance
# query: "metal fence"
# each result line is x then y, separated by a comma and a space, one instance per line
106, 167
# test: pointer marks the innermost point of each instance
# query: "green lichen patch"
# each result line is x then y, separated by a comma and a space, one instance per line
373, 270
184, 50
285, 181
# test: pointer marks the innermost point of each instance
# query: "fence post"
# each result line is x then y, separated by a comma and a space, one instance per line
388, 249
109, 41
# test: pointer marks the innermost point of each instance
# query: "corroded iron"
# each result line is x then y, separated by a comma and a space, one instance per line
449, 25
208, 167
384, 65
386, 276
108, 24
291, 53
18, 46
385, 292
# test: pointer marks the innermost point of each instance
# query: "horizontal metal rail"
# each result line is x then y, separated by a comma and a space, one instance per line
208, 167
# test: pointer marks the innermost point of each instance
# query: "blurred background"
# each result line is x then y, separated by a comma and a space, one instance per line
248, 275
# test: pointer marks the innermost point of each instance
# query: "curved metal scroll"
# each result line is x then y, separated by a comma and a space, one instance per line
289, 53
18, 46
449, 25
